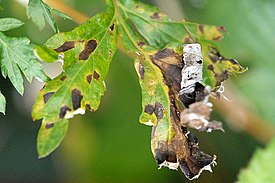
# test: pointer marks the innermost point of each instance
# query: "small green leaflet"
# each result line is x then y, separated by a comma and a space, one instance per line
17, 56
86, 53
2, 103
39, 11
261, 166
9, 23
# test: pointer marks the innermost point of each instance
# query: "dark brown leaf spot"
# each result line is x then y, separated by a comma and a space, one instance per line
110, 52
221, 28
47, 96
96, 75
49, 125
88, 106
141, 43
63, 78
76, 98
112, 27
163, 53
187, 40
158, 110
149, 109
65, 46
215, 55
63, 111
141, 71
89, 78
201, 28
210, 67
155, 16
221, 77
89, 47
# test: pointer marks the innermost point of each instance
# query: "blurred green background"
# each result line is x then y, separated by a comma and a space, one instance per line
110, 145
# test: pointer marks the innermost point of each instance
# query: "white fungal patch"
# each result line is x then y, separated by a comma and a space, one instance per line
172, 166
149, 123
192, 70
70, 114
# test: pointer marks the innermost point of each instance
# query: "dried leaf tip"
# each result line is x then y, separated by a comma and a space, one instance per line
207, 167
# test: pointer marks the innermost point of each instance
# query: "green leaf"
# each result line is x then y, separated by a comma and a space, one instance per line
261, 166
16, 57
156, 29
60, 14
2, 103
39, 11
48, 54
86, 52
9, 23
50, 136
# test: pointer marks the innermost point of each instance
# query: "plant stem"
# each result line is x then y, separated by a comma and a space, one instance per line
77, 16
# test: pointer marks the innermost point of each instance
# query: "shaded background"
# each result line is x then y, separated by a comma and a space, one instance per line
110, 145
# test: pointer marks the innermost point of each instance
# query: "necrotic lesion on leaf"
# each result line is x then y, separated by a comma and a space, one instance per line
86, 55
160, 69
174, 97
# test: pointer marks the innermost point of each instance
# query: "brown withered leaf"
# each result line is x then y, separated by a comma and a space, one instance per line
177, 148
180, 150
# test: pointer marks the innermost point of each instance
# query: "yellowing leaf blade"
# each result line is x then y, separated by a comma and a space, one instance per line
86, 53
50, 136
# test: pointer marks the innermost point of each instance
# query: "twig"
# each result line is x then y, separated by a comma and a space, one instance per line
241, 116
78, 17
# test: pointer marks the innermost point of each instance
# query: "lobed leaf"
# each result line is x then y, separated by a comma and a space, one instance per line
9, 23
156, 29
16, 56
86, 53
39, 12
